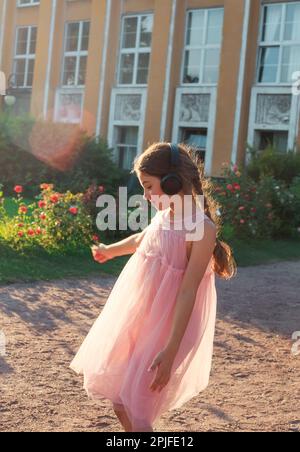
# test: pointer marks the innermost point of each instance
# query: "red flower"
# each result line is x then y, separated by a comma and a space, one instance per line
42, 204
54, 198
73, 210
101, 189
43, 216
18, 189
95, 238
38, 231
23, 209
20, 225
253, 209
236, 186
30, 232
20, 234
230, 187
242, 208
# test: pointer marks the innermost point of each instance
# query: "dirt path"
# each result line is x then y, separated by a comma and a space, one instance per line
255, 378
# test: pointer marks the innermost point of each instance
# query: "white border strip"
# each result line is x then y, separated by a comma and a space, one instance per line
103, 67
2, 30
241, 81
168, 73
49, 63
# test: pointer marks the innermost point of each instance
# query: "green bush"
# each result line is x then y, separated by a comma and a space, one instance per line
53, 222
282, 167
32, 152
265, 209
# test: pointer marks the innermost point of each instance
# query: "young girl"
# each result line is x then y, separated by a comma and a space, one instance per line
150, 350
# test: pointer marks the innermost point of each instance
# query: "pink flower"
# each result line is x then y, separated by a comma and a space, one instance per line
101, 189
54, 198
42, 204
242, 221
235, 168
23, 209
73, 210
236, 186
242, 208
18, 189
230, 187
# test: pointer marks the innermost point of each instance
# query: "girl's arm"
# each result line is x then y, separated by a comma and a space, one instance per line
103, 252
126, 246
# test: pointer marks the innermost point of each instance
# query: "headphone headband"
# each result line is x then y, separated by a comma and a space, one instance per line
174, 154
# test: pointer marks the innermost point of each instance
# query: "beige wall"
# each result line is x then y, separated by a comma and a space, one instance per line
95, 10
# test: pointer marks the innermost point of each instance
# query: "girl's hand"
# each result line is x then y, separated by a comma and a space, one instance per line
164, 362
101, 253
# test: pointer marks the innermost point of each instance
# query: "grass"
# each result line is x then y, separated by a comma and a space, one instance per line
12, 208
15, 267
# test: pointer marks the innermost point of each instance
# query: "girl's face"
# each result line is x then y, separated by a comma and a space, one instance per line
151, 186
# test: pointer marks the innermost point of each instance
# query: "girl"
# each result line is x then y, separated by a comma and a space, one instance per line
151, 348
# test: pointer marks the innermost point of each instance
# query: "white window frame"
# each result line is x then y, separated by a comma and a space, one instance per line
136, 51
67, 91
77, 53
291, 127
29, 3
27, 56
281, 44
115, 123
203, 47
209, 125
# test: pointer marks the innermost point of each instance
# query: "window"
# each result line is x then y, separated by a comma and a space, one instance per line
28, 2
126, 145
76, 53
197, 138
136, 43
69, 106
204, 32
279, 50
277, 139
24, 56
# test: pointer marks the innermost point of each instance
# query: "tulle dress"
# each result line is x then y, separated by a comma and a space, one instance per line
135, 323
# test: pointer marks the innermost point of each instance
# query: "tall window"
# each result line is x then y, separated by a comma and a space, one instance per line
204, 33
126, 145
76, 53
24, 59
136, 43
279, 51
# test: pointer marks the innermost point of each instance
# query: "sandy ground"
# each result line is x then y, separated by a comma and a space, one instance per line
255, 378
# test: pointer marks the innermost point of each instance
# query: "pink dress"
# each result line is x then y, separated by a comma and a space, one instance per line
134, 326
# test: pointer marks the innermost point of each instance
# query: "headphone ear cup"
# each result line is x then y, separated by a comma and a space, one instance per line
171, 184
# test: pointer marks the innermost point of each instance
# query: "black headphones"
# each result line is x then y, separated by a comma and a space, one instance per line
171, 183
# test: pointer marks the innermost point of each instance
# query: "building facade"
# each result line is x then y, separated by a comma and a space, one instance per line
218, 74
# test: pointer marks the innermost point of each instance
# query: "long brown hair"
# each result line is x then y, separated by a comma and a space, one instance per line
155, 161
